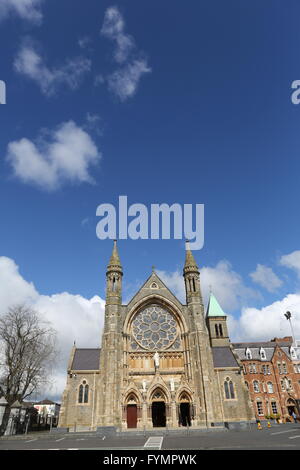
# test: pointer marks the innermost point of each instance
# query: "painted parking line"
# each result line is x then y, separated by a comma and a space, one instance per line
61, 439
282, 432
31, 440
154, 442
294, 437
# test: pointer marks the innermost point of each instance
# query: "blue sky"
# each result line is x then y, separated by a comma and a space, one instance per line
167, 102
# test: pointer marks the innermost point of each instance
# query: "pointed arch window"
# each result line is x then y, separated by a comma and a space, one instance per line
248, 353
256, 386
221, 330
83, 392
229, 389
263, 354
217, 330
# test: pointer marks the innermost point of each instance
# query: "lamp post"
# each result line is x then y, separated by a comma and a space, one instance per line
288, 316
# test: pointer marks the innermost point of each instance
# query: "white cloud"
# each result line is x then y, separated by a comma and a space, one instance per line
73, 316
266, 278
226, 284
26, 9
292, 261
29, 63
113, 28
123, 82
269, 321
65, 157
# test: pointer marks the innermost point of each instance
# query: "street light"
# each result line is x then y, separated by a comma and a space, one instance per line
288, 316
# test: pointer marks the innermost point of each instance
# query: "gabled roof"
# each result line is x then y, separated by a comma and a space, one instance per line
223, 357
86, 359
153, 278
213, 308
269, 348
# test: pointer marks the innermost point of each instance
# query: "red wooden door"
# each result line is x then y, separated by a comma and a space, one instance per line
131, 416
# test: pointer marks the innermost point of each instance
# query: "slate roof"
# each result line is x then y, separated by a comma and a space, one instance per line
223, 357
86, 359
269, 348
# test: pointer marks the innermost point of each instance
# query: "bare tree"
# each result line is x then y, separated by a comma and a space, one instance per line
27, 354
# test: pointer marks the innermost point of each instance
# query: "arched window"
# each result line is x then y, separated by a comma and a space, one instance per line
80, 395
262, 354
83, 394
86, 394
270, 387
256, 386
221, 330
248, 354
293, 353
229, 389
217, 330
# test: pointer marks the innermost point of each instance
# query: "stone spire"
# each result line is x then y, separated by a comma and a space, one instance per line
191, 276
114, 264
114, 275
190, 265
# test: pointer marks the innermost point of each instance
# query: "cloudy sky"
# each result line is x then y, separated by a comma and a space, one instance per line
164, 103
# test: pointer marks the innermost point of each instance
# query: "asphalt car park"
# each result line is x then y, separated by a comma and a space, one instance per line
278, 437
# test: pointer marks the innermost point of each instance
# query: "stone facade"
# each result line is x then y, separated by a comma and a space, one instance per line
162, 363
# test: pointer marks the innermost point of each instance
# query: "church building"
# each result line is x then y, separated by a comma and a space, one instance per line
161, 363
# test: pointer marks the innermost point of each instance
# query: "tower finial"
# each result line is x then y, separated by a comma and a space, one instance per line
115, 259
190, 263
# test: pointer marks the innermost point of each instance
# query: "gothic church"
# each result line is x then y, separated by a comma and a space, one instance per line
161, 364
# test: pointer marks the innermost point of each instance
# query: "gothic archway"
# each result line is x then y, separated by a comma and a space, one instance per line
132, 410
185, 409
158, 408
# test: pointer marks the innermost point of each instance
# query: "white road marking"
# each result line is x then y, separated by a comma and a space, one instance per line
61, 439
154, 442
103, 438
31, 440
282, 432
293, 437
72, 449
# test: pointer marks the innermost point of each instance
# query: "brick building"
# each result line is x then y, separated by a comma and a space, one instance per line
272, 375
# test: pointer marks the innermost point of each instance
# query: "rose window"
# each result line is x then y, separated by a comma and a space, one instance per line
154, 328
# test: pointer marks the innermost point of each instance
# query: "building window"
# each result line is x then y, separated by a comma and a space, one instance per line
270, 387
279, 367
274, 407
282, 385
260, 409
248, 354
293, 353
264, 369
229, 389
83, 394
217, 330
256, 386
263, 354
254, 368
221, 330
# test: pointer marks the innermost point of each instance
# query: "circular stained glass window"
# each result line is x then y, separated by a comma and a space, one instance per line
154, 328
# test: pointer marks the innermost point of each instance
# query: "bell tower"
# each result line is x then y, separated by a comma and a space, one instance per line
114, 274
203, 375
109, 408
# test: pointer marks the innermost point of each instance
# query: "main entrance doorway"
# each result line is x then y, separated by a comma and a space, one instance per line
131, 416
185, 414
159, 414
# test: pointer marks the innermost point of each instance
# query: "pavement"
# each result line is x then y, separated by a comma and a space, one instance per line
285, 437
